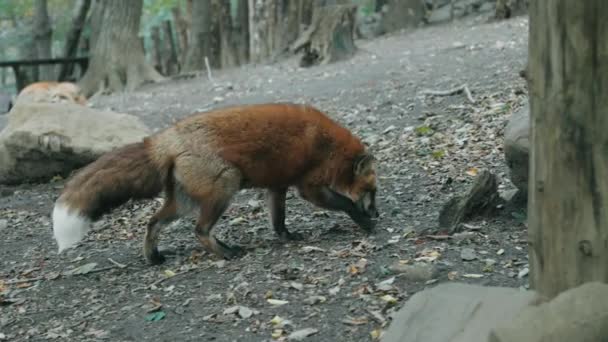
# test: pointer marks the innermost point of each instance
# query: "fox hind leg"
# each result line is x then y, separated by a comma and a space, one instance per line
163, 217
212, 209
275, 199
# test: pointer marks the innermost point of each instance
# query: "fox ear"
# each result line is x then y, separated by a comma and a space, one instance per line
363, 163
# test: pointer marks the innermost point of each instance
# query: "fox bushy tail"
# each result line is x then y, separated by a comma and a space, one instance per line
117, 176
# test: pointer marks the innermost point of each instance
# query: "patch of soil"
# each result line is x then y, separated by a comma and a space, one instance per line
339, 279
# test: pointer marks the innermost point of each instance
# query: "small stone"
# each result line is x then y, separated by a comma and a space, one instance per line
301, 334
500, 251
524, 272
468, 254
490, 262
245, 312
312, 300
389, 129
3, 224
415, 272
371, 119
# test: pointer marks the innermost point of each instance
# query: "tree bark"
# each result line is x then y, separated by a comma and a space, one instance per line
510, 8
181, 26
241, 31
290, 21
330, 36
200, 40
261, 21
228, 50
568, 188
403, 14
118, 62
43, 34
79, 15
170, 64
156, 48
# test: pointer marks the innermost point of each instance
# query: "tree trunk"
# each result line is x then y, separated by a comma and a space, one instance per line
170, 64
156, 48
290, 18
261, 21
568, 188
330, 37
79, 15
380, 4
306, 10
43, 34
228, 50
182, 33
118, 62
510, 8
403, 14
241, 31
97, 8
200, 36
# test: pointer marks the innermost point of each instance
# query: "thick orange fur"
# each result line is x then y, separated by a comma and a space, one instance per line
204, 159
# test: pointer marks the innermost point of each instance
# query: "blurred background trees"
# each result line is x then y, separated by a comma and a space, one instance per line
173, 38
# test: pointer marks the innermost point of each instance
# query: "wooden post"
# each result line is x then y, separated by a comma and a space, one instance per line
568, 186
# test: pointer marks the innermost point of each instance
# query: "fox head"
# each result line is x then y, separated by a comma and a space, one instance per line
363, 189
360, 192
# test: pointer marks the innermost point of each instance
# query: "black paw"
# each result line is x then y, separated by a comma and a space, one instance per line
233, 252
155, 258
288, 236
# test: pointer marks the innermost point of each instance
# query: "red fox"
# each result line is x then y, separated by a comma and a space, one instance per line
206, 158
65, 91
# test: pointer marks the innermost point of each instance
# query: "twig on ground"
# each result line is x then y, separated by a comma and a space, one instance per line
117, 263
167, 278
463, 88
21, 281
209, 70
98, 270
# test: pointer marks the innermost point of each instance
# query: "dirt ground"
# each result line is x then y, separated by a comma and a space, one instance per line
339, 284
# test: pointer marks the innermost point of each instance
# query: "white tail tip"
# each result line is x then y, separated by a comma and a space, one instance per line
69, 226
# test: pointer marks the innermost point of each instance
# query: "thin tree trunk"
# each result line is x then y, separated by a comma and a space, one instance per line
118, 61
79, 15
156, 48
289, 30
306, 12
242, 31
261, 21
568, 187
170, 64
181, 26
229, 55
43, 34
200, 36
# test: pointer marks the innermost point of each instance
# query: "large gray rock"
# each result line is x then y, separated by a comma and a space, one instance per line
579, 314
456, 312
517, 147
42, 140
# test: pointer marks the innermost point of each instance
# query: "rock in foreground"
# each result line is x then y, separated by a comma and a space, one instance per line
579, 314
456, 312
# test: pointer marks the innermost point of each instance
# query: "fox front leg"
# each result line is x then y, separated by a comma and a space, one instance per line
276, 208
